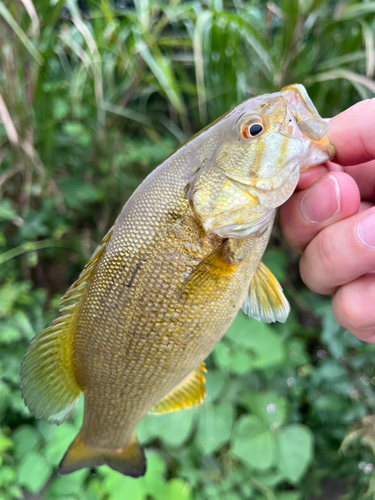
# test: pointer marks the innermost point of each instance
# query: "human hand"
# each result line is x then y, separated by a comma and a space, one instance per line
330, 219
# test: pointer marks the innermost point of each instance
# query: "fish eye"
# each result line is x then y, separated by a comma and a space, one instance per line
251, 128
255, 129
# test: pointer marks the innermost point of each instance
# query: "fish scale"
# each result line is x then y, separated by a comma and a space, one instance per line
136, 355
169, 278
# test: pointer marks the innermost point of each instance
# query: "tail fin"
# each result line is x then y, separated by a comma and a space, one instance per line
129, 460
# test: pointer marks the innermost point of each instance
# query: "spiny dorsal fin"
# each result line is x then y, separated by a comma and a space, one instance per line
266, 301
213, 271
48, 382
129, 460
190, 392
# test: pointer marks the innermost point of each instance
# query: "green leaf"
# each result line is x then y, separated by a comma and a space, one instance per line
177, 489
270, 479
59, 442
231, 496
172, 428
154, 483
233, 358
33, 472
253, 443
5, 396
214, 427
60, 109
5, 443
26, 439
8, 475
67, 485
258, 341
10, 294
293, 495
295, 451
268, 406
297, 352
7, 212
120, 487
9, 334
215, 382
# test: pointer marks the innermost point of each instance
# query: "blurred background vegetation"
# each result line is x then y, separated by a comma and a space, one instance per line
93, 95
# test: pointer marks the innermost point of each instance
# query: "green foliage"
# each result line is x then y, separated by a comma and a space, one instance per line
93, 95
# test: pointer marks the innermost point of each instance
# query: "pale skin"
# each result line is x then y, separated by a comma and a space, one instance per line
330, 220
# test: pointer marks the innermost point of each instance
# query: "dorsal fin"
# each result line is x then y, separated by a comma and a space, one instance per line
266, 301
48, 382
190, 392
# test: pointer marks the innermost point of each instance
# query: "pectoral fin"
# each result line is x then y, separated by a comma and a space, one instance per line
214, 271
129, 460
266, 301
190, 392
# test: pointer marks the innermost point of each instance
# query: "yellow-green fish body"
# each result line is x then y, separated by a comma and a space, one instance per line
169, 278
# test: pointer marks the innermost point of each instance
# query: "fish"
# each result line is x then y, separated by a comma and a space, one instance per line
167, 280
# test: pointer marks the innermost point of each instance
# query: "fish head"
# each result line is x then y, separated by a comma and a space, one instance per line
262, 146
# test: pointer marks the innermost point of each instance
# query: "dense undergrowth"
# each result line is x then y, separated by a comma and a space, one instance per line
93, 95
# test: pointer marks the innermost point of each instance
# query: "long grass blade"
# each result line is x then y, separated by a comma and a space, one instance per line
202, 26
4, 12
347, 75
341, 60
355, 11
126, 113
161, 68
31, 246
96, 60
7, 121
253, 39
30, 9
369, 37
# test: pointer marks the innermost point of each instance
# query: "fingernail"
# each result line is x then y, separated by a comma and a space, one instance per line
322, 201
366, 230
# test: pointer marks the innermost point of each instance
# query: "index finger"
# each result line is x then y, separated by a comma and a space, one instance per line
353, 134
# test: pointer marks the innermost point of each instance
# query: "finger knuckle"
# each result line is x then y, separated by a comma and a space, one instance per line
349, 314
324, 259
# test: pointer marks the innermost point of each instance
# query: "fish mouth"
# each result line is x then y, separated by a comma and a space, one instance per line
302, 110
314, 132
302, 121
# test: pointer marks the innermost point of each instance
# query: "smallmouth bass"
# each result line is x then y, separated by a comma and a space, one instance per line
168, 279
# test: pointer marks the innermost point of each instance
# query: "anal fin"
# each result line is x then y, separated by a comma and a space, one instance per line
128, 460
266, 300
190, 392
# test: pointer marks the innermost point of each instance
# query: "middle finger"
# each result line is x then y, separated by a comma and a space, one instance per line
340, 253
